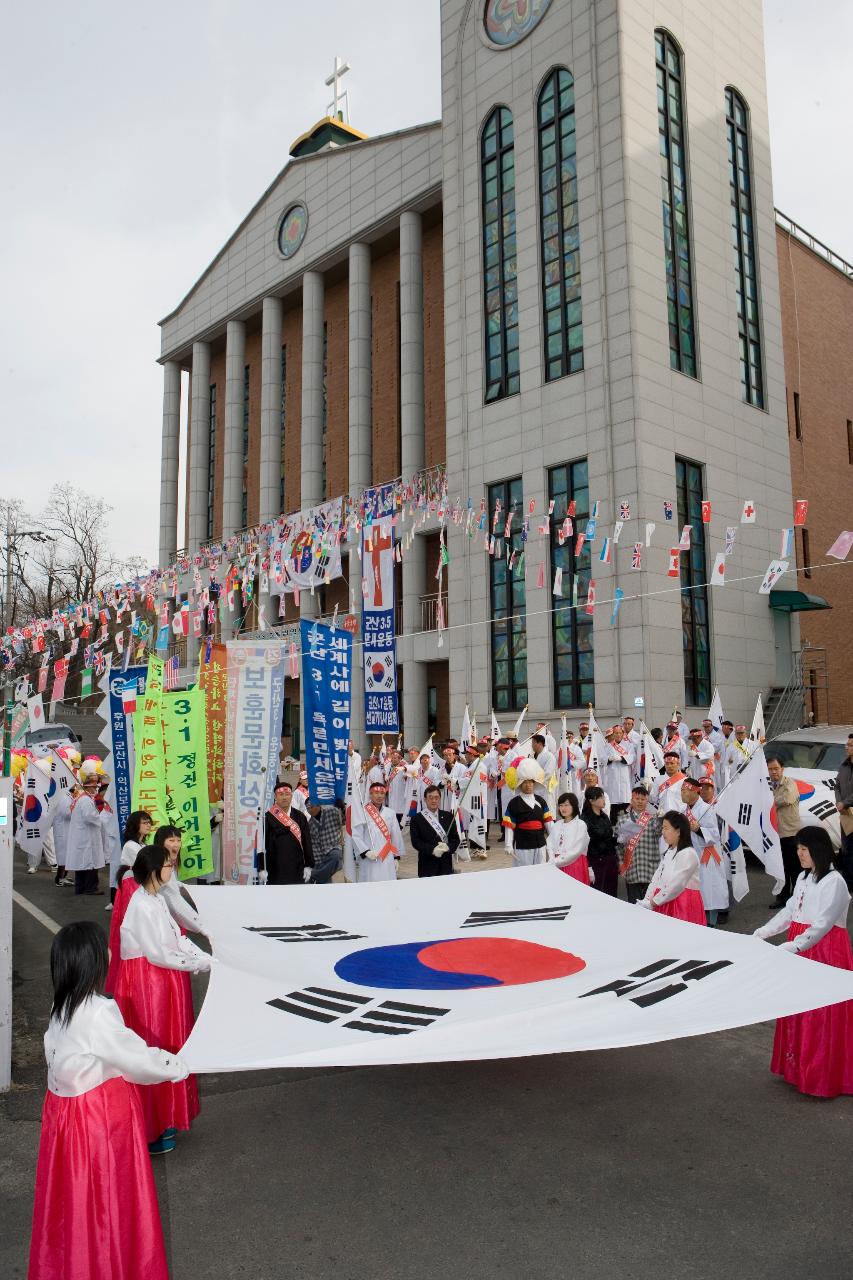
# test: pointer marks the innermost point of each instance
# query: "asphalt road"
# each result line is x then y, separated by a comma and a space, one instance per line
686, 1159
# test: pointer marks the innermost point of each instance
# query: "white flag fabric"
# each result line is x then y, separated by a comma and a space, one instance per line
472, 803
504, 964
652, 759
746, 804
496, 731
599, 752
466, 735
35, 712
34, 818
517, 728
775, 570
718, 573
564, 759
757, 733
63, 778
715, 711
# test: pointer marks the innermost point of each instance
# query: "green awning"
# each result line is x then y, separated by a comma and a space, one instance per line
796, 601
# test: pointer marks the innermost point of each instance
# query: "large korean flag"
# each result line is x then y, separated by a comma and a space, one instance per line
504, 964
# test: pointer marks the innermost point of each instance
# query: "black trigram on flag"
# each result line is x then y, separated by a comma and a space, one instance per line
386, 1017
528, 916
303, 933
766, 841
683, 971
822, 809
744, 815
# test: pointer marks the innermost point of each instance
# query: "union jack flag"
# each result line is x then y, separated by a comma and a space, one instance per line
667, 510
624, 511
170, 673
637, 556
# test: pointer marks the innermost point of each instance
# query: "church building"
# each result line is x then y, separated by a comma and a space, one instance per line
566, 292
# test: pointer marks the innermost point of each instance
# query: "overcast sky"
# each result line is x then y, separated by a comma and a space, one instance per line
134, 141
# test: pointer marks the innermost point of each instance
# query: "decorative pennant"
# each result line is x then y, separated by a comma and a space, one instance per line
617, 529
637, 556
684, 544
674, 569
706, 512
731, 533
718, 573
624, 511
840, 548
618, 597
801, 510
748, 514
558, 582
786, 543
650, 528
604, 554
775, 570
667, 509
590, 597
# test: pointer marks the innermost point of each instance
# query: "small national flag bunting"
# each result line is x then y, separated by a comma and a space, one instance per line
706, 512
674, 562
650, 528
731, 533
618, 597
748, 513
624, 511
637, 556
840, 548
718, 573
667, 509
786, 543
604, 554
775, 569
801, 510
590, 597
558, 582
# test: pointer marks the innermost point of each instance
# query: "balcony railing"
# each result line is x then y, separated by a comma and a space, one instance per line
429, 611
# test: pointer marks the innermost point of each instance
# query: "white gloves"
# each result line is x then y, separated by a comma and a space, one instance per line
643, 902
371, 854
306, 875
789, 946
262, 877
591, 876
441, 848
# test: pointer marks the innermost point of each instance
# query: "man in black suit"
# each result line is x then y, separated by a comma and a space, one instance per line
434, 835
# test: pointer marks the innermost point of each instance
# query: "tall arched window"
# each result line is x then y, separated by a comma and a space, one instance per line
743, 247
558, 225
500, 283
672, 129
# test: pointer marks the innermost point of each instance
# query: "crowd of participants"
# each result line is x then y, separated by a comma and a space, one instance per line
118, 1091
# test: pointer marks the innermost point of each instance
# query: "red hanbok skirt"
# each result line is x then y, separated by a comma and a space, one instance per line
125, 892
95, 1215
814, 1050
687, 906
157, 1004
579, 869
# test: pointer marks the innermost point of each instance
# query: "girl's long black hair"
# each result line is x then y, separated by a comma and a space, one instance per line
78, 967
162, 834
680, 823
819, 845
150, 861
131, 828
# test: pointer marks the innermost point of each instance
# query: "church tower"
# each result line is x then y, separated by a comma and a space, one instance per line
613, 344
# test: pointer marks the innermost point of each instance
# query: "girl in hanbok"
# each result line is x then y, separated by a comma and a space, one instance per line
182, 910
814, 1050
674, 888
136, 832
95, 1215
153, 992
568, 840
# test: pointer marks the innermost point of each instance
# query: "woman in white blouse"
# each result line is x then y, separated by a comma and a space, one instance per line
814, 1050
94, 1174
136, 831
568, 840
674, 888
170, 838
153, 991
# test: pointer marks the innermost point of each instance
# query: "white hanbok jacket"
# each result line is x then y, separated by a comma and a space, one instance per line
567, 841
369, 869
149, 931
96, 1046
678, 870
821, 904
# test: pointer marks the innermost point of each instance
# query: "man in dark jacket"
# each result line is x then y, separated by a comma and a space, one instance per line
288, 858
434, 836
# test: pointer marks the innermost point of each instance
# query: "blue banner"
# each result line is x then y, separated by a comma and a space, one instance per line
122, 746
379, 654
327, 699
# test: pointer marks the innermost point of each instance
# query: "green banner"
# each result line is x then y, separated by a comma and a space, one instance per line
149, 775
185, 741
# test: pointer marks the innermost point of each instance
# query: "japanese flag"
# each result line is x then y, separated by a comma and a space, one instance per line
718, 573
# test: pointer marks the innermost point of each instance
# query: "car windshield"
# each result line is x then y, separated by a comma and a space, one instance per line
811, 755
48, 733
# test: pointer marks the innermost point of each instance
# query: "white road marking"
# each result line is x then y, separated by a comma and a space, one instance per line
35, 913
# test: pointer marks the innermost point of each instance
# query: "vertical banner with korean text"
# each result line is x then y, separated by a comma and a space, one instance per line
379, 653
122, 747
212, 681
326, 697
184, 742
149, 778
254, 706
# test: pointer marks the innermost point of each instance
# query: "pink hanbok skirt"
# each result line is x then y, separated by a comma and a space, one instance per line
814, 1050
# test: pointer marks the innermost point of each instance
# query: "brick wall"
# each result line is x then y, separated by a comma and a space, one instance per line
817, 329
385, 383
435, 445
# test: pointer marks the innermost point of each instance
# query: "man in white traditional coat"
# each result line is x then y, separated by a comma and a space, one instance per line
60, 825
700, 756
547, 761
550, 740
379, 862
739, 752
85, 854
673, 741
451, 779
397, 782
705, 834
618, 771
668, 792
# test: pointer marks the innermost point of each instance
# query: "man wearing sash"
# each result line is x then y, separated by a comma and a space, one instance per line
668, 794
618, 769
435, 836
288, 858
673, 741
638, 834
398, 786
705, 833
739, 752
379, 862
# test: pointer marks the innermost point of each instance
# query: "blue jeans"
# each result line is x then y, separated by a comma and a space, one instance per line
322, 871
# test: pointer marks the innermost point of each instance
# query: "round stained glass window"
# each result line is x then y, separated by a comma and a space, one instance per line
509, 21
291, 230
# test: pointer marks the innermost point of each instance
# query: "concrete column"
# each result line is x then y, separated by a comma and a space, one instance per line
169, 461
232, 469
199, 461
273, 314
412, 460
312, 390
360, 447
232, 482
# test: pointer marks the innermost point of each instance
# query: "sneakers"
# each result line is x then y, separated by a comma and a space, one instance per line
169, 1134
161, 1146
64, 881
31, 871
108, 907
